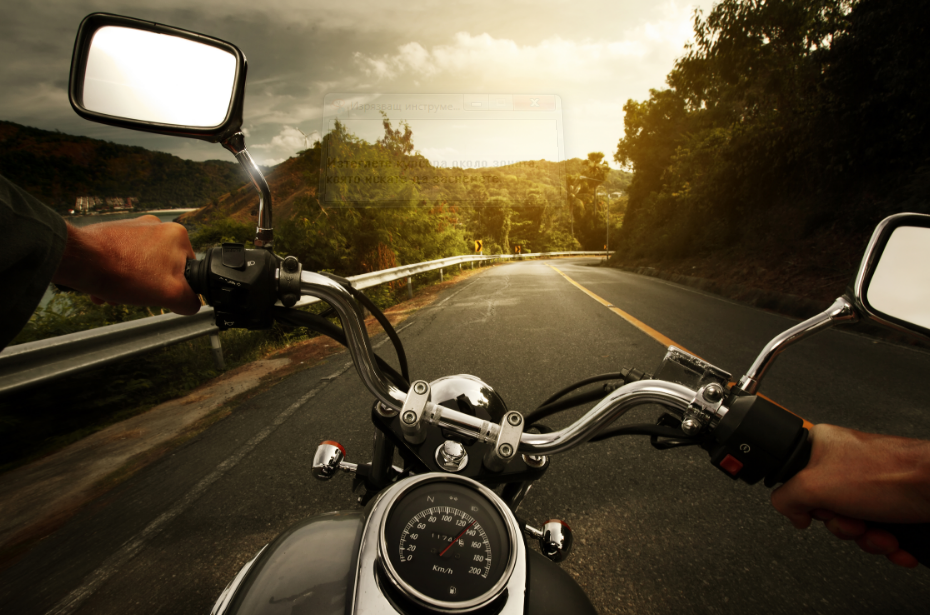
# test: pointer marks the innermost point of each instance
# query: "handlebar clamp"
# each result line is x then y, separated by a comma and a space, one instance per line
508, 441
289, 281
412, 421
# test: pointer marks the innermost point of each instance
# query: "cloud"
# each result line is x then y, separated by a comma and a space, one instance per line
557, 59
594, 76
586, 51
283, 145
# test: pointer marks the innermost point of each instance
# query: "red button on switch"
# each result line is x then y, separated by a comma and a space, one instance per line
731, 465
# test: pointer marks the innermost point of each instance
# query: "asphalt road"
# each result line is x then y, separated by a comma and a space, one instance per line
656, 532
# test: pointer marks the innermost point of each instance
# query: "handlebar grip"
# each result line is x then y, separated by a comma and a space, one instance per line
192, 273
912, 537
757, 439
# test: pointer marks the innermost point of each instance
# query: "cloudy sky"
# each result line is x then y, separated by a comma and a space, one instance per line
593, 55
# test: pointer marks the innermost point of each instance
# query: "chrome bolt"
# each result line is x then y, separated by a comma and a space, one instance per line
385, 411
419, 387
691, 427
713, 393
514, 418
505, 450
452, 451
535, 461
451, 456
410, 417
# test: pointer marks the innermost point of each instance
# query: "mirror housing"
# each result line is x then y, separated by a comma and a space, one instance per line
892, 286
141, 82
226, 124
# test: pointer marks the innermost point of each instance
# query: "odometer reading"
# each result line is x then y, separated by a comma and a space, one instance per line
447, 542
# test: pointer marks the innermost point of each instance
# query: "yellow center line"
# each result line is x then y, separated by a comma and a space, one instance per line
662, 339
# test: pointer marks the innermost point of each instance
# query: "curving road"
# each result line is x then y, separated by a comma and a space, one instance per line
656, 532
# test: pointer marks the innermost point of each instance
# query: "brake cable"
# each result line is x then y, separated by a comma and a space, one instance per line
317, 323
379, 316
581, 383
550, 406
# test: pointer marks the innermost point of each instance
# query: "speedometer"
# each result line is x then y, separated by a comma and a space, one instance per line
448, 543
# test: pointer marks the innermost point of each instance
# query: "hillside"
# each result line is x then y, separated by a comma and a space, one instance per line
299, 177
57, 168
288, 181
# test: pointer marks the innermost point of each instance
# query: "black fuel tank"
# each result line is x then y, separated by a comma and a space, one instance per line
310, 569
551, 591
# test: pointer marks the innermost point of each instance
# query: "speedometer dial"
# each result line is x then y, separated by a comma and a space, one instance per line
447, 544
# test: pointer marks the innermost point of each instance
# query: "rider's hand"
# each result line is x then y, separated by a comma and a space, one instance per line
139, 262
853, 476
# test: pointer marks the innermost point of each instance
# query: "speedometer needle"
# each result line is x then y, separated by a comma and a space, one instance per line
456, 539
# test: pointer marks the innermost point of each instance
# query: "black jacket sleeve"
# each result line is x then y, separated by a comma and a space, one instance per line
32, 241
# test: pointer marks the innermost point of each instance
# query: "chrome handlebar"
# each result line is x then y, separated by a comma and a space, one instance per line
612, 407
363, 356
607, 411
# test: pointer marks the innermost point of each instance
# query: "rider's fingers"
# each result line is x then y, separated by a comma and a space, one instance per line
877, 542
822, 515
903, 558
798, 515
846, 528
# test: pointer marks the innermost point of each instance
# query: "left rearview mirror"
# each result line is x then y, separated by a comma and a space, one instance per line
892, 286
146, 76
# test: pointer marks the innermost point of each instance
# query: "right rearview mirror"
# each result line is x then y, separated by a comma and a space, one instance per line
892, 286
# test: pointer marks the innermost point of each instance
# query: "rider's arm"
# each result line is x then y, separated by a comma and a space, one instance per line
32, 240
139, 262
854, 476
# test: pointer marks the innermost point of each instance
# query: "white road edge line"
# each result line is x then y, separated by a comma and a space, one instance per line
92, 582
131, 548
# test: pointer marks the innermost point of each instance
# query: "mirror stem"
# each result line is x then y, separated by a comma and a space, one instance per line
842, 311
264, 234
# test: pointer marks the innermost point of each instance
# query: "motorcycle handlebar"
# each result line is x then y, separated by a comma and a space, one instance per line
606, 411
913, 538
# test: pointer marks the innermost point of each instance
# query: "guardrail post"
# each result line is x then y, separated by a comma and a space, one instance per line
409, 287
217, 351
440, 275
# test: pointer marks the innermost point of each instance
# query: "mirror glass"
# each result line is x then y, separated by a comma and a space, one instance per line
900, 286
159, 78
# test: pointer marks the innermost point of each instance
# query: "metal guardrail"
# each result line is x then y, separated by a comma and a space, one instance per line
29, 364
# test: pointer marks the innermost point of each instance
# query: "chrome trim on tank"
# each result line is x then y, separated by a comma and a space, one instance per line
222, 603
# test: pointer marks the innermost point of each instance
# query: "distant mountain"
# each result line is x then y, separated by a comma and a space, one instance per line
57, 169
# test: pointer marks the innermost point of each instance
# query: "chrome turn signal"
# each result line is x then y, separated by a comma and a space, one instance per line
329, 458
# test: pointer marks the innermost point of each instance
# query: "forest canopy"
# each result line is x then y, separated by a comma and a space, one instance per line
403, 210
784, 119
